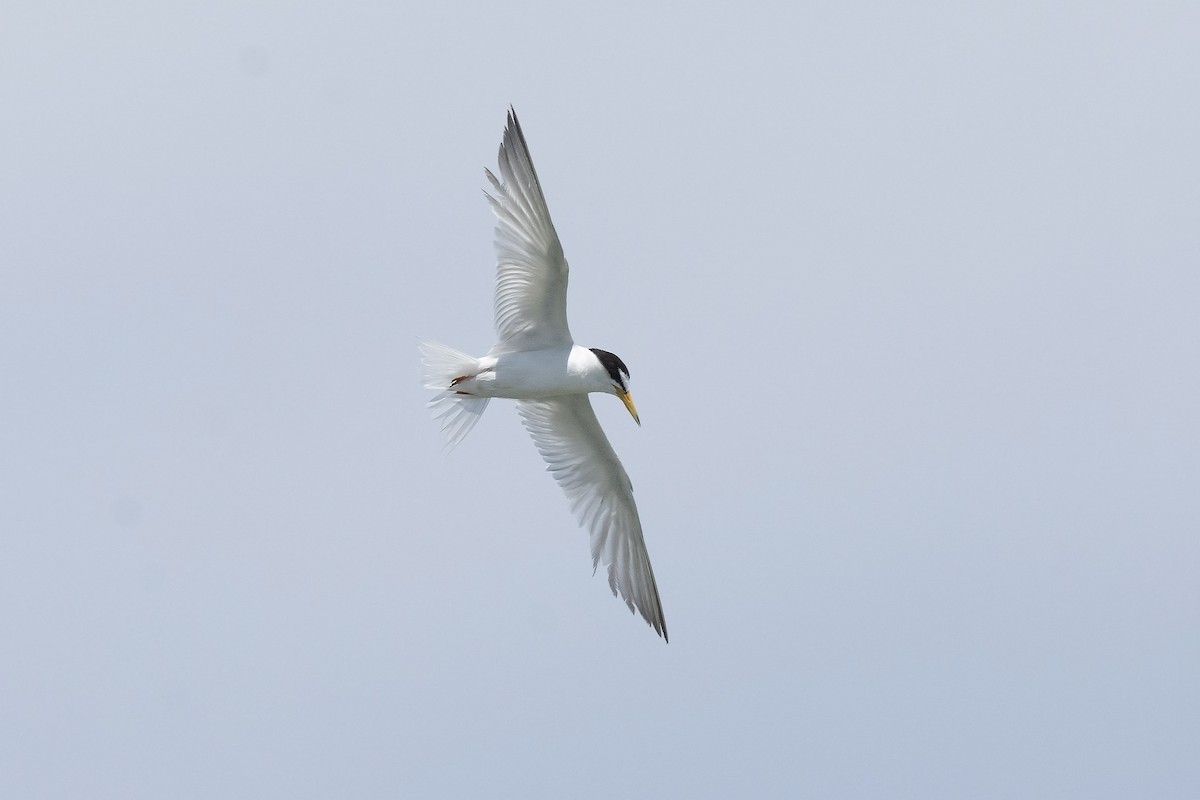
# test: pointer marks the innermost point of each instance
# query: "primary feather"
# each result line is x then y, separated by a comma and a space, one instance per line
579, 456
531, 271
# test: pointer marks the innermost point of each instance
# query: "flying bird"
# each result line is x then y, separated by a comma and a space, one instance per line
537, 363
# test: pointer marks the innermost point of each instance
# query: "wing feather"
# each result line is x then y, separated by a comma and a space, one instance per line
531, 270
579, 456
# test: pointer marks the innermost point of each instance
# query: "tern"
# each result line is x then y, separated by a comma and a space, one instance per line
537, 363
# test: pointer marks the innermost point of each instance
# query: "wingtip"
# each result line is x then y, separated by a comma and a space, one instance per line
512, 131
658, 624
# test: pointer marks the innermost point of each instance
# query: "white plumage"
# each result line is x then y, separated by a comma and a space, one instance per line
537, 363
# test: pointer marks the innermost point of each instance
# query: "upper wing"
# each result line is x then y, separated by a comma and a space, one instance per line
569, 437
531, 271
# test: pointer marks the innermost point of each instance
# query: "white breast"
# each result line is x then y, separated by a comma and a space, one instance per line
539, 374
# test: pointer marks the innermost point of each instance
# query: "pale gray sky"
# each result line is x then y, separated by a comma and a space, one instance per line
911, 299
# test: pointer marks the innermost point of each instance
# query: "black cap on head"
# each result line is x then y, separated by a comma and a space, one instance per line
615, 366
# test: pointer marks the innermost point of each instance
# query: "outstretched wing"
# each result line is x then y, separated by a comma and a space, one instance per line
531, 271
570, 439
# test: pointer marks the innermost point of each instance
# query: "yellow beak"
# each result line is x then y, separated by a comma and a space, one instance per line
628, 401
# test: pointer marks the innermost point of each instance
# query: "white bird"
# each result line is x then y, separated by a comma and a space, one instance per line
538, 364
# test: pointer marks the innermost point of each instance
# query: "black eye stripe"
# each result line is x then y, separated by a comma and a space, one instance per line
613, 365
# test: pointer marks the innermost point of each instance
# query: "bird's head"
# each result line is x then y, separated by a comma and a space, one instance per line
618, 376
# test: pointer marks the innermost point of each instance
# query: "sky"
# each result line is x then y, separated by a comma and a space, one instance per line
909, 294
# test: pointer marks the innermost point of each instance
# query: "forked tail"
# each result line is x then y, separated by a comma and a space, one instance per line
457, 413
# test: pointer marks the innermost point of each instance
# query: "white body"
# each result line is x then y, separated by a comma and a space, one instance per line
538, 374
